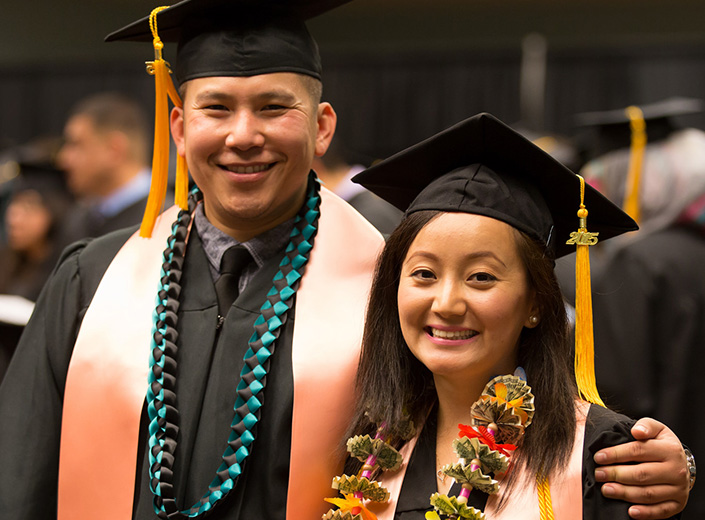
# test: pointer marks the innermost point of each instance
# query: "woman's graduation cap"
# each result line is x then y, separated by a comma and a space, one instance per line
219, 38
482, 166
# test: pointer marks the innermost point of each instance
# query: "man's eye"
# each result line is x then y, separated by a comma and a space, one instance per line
216, 107
274, 107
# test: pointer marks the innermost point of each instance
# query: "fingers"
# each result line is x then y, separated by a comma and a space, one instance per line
646, 474
656, 511
647, 428
652, 502
645, 495
636, 451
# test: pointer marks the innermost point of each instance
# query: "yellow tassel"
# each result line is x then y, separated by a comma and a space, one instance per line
636, 160
544, 492
164, 89
584, 341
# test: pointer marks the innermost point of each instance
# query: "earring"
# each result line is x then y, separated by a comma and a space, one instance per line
533, 319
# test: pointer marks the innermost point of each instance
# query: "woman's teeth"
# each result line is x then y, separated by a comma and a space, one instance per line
455, 334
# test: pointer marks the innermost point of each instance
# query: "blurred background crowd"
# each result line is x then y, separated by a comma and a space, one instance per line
75, 142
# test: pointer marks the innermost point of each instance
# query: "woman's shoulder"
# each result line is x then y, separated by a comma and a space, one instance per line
605, 427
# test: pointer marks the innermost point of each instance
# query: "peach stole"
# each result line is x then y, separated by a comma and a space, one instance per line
100, 426
566, 487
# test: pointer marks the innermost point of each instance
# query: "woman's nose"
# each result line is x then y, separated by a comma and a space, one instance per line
449, 300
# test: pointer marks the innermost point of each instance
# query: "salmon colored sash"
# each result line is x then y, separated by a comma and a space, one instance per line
566, 488
106, 384
100, 425
330, 312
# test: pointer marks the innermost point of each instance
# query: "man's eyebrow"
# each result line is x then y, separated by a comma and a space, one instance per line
212, 95
283, 95
216, 95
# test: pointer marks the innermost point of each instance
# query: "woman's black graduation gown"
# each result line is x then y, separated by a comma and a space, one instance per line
603, 428
208, 373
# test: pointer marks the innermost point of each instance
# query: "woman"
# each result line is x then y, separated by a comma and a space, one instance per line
34, 214
465, 291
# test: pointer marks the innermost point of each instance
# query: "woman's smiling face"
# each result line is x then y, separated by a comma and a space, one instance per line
464, 297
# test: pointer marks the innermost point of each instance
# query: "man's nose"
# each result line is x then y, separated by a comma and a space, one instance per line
245, 131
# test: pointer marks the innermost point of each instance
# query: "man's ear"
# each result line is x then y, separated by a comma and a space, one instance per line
326, 121
176, 122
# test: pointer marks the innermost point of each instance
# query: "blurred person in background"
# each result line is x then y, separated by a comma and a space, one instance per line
336, 169
105, 157
37, 205
649, 288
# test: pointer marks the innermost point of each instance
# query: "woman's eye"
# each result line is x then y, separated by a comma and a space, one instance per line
423, 274
483, 277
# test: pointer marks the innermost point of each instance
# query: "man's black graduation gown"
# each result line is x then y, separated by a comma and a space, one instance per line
208, 373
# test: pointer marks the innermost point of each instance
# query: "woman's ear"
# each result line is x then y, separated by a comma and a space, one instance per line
534, 317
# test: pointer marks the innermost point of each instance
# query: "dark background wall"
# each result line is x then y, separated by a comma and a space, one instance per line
396, 70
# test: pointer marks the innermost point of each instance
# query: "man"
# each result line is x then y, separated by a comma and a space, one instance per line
250, 125
105, 159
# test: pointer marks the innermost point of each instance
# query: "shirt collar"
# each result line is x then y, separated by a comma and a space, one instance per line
136, 189
262, 247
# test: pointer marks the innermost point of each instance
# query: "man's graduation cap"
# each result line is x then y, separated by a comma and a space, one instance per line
219, 38
236, 37
482, 166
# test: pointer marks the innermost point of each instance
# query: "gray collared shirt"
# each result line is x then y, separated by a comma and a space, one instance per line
262, 247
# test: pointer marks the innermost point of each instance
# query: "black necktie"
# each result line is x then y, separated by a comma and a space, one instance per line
226, 286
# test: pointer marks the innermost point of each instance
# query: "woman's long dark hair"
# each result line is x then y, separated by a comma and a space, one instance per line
392, 383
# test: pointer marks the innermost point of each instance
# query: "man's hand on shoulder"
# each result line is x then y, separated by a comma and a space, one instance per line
659, 484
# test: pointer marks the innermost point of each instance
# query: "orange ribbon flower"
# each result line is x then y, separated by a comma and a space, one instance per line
354, 505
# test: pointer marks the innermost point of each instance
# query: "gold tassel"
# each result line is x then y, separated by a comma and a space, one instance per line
544, 492
584, 342
636, 159
164, 89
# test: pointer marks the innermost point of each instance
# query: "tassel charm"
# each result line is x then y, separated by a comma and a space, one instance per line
584, 340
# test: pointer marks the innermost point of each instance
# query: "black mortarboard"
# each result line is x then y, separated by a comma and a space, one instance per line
42, 177
606, 131
482, 166
236, 37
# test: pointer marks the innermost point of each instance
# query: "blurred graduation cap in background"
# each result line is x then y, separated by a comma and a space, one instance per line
604, 131
633, 128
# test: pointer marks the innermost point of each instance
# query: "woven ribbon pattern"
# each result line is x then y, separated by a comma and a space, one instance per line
161, 395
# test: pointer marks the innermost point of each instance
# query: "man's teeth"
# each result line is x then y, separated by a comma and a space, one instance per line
456, 334
248, 169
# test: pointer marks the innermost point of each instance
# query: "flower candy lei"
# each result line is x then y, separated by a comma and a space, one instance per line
375, 454
499, 417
